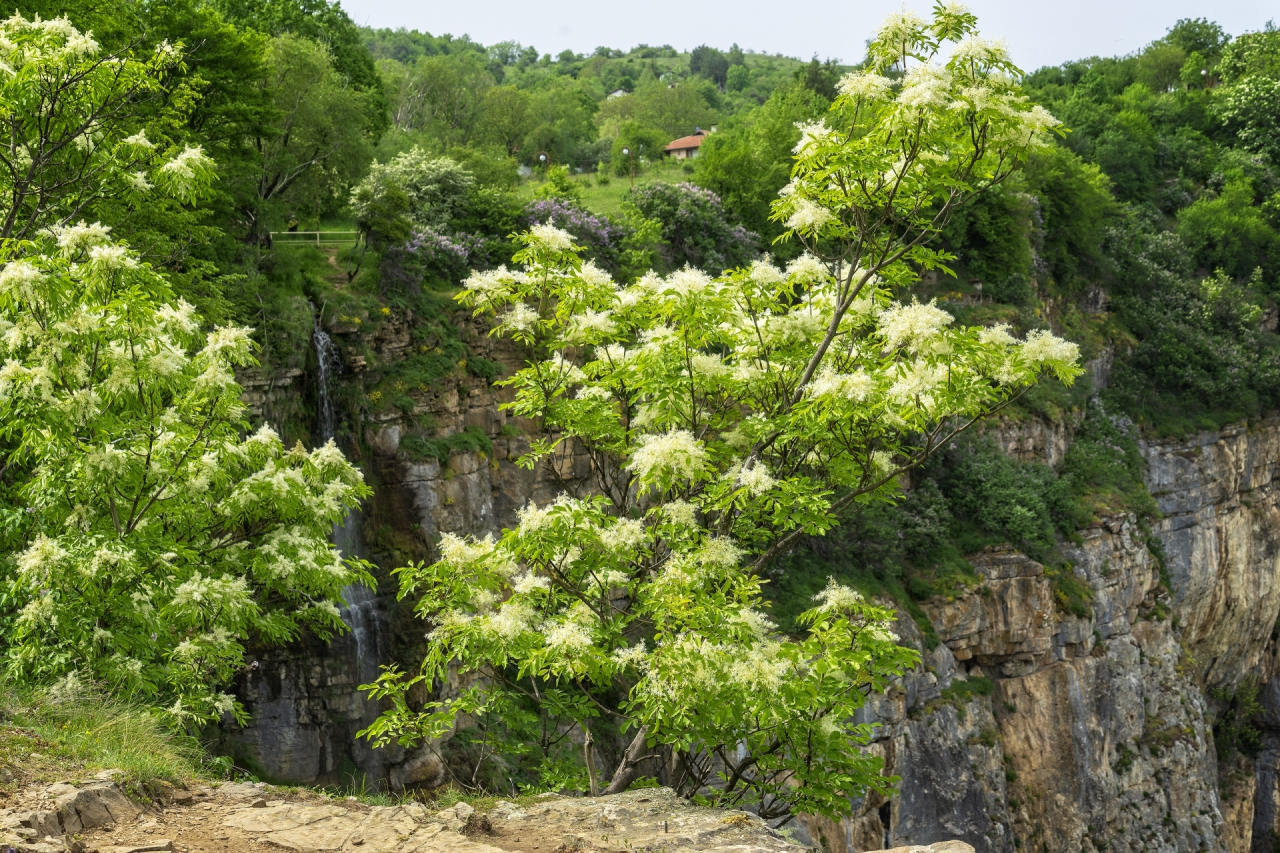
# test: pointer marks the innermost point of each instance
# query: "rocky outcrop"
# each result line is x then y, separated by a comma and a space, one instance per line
45, 815
243, 816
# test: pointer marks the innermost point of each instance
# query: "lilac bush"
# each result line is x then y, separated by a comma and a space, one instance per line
695, 227
435, 256
601, 236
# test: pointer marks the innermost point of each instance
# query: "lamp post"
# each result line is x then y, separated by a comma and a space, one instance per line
632, 162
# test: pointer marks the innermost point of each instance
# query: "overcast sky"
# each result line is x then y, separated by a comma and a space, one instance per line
1039, 32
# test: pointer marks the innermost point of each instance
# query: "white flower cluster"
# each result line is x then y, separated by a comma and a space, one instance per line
681, 513
808, 215
811, 134
529, 582
188, 164
912, 326
864, 86
19, 279
852, 386
177, 319
809, 269
975, 50
589, 327
73, 239
919, 382
759, 667
756, 479
837, 598
997, 335
636, 656
551, 237
1045, 348
513, 619
567, 637
675, 454
138, 140
926, 86
684, 283
458, 551
902, 28
625, 534
491, 286
764, 272
112, 257
519, 317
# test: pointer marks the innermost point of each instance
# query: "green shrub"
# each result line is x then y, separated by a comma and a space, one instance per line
1105, 466
1239, 728
961, 692
470, 440
995, 499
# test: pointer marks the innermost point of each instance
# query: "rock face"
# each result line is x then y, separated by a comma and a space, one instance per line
1026, 728
1221, 532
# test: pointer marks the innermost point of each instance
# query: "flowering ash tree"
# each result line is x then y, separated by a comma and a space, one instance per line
146, 537
724, 418
151, 538
73, 127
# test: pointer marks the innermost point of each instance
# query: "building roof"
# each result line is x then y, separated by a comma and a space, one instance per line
686, 142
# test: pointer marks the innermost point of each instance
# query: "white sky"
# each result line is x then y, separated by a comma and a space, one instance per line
1039, 32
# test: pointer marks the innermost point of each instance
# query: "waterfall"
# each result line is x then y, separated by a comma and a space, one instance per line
360, 607
327, 363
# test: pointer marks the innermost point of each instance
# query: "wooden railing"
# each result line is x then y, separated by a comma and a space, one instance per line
316, 238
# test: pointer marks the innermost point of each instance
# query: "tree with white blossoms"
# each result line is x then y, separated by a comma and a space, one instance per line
149, 539
73, 127
723, 419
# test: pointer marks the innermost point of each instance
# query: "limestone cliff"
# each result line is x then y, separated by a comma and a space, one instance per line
1026, 728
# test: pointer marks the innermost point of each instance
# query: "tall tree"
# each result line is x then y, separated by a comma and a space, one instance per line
325, 22
151, 537
315, 146
722, 419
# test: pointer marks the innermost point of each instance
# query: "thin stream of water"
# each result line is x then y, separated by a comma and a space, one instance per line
360, 611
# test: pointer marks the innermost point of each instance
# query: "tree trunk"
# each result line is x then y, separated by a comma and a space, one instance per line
591, 764
629, 769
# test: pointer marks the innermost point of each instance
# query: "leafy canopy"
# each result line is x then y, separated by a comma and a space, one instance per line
72, 127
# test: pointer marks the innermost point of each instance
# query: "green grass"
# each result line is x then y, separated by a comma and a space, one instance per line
46, 736
607, 198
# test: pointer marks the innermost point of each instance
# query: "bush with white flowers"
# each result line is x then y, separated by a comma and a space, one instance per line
725, 417
151, 537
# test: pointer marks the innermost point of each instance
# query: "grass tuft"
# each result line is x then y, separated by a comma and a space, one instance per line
48, 735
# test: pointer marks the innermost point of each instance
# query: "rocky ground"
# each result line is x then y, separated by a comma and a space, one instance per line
84, 816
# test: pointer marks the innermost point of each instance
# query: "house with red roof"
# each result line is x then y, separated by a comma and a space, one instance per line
686, 146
